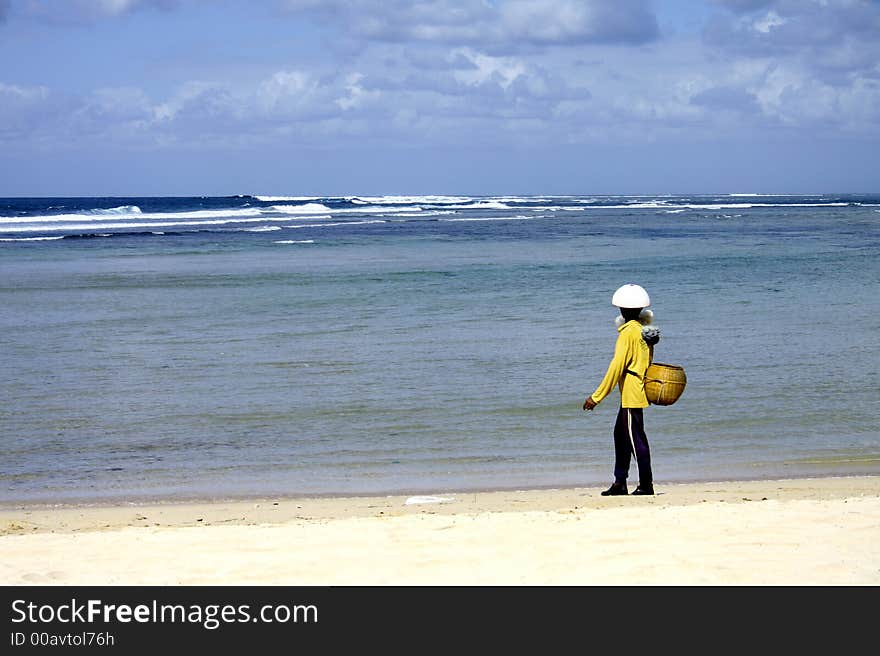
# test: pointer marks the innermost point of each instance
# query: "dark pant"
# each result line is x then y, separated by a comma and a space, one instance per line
629, 438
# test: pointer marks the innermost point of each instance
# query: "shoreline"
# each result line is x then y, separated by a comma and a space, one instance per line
782, 531
136, 500
170, 512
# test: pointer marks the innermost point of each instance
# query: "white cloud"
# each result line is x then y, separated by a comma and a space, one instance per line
115, 7
577, 21
23, 110
503, 70
357, 96
119, 104
77, 11
423, 88
769, 21
795, 98
506, 25
285, 89
196, 99
12, 93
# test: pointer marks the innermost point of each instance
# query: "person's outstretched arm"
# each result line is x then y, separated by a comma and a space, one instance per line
612, 376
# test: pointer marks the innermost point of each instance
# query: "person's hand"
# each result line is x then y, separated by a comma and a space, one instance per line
589, 404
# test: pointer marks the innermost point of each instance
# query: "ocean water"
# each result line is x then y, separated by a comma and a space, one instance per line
158, 348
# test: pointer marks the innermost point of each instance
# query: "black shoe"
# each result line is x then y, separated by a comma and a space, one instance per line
615, 490
644, 490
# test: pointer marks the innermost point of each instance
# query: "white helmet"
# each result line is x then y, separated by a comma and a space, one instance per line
631, 296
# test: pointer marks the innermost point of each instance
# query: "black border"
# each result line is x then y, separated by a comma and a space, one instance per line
424, 619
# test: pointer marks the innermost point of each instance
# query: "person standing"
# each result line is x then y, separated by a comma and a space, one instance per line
632, 356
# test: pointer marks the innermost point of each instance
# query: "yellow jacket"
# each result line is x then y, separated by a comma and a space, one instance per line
631, 353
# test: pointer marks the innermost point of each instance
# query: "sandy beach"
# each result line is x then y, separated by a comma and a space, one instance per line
817, 531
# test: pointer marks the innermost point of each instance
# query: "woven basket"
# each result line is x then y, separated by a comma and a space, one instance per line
664, 383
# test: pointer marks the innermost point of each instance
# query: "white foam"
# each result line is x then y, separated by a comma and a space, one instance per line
295, 241
308, 208
404, 200
263, 229
762, 195
330, 225
713, 206
427, 499
91, 220
306, 217
747, 205
480, 205
314, 208
518, 217
122, 209
428, 213
378, 209
130, 212
639, 206
32, 239
141, 224
528, 199
201, 214
281, 199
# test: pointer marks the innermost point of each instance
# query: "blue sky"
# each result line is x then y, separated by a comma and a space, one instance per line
336, 97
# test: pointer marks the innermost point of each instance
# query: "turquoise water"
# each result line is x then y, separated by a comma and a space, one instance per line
159, 348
